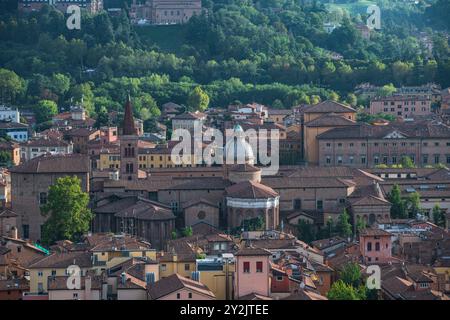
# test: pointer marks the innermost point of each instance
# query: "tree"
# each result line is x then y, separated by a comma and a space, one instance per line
407, 162
187, 231
11, 85
360, 224
102, 118
67, 211
342, 291
398, 210
334, 96
306, 231
438, 216
277, 104
413, 204
59, 84
5, 158
45, 110
198, 99
387, 90
351, 99
351, 275
343, 227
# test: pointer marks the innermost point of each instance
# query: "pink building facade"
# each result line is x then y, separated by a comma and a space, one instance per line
401, 105
252, 272
375, 246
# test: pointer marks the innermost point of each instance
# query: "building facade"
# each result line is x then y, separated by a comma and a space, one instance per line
9, 114
30, 182
37, 147
405, 106
366, 146
164, 12
93, 6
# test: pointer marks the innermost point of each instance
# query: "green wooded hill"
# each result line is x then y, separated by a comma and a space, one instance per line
275, 52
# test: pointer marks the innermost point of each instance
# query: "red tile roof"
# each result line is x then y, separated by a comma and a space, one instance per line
250, 190
175, 282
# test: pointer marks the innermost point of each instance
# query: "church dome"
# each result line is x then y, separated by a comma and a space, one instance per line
237, 149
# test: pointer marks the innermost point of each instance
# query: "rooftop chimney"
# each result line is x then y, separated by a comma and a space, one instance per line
87, 288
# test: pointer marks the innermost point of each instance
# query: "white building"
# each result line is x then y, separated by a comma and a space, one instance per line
16, 131
37, 147
9, 114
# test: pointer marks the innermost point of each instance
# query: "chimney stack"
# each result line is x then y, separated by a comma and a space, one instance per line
87, 288
13, 232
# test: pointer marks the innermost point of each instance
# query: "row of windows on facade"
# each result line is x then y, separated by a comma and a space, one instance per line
172, 13
53, 273
144, 166
385, 159
19, 136
386, 144
246, 266
406, 103
130, 154
41, 149
377, 246
406, 110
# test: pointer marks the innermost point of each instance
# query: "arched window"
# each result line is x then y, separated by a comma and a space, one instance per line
369, 246
377, 246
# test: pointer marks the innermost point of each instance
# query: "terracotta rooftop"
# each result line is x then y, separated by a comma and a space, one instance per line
45, 142
254, 296
145, 209
194, 202
63, 260
330, 120
67, 163
329, 242
252, 251
189, 116
370, 200
329, 106
14, 284
80, 132
250, 190
423, 129
12, 125
303, 294
175, 282
374, 232
7, 213
280, 111
121, 243
60, 282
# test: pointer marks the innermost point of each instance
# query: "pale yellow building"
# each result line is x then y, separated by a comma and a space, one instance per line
171, 263
55, 265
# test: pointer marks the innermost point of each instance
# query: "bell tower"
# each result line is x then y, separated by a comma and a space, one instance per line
129, 165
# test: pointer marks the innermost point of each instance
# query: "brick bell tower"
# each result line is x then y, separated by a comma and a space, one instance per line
129, 145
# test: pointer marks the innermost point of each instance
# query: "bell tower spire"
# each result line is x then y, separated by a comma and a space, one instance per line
129, 145
129, 128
